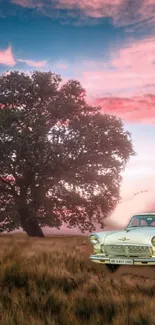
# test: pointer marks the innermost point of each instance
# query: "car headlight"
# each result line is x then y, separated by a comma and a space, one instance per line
94, 239
153, 241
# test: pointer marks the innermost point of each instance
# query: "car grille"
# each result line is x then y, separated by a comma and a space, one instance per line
128, 250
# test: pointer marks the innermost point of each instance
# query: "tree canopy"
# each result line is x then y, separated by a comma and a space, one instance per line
60, 158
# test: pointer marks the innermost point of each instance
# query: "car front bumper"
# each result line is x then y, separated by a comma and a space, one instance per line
102, 259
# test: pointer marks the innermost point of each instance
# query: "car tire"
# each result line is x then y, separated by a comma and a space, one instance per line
112, 267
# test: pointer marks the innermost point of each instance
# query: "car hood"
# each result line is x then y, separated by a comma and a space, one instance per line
137, 235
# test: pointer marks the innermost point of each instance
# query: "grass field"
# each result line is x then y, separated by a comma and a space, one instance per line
51, 281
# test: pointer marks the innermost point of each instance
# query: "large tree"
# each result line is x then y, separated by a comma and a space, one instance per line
60, 158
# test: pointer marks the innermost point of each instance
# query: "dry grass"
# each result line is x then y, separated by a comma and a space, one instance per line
51, 281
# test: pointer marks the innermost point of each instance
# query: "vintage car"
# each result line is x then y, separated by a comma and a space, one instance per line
134, 245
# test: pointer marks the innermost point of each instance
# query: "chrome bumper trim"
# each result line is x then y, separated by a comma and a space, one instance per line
105, 259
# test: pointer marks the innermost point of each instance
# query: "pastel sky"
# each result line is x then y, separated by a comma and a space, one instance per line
109, 45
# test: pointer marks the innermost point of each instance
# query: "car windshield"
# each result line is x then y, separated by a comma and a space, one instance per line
142, 221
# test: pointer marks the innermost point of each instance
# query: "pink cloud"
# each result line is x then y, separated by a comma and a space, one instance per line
25, 3
129, 70
123, 88
122, 12
135, 109
7, 57
138, 56
34, 64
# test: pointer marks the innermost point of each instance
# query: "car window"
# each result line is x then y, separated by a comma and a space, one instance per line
143, 223
135, 222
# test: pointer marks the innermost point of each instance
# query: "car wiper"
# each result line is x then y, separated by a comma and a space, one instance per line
138, 227
131, 227
128, 229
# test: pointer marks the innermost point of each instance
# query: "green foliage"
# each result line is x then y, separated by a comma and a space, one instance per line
63, 156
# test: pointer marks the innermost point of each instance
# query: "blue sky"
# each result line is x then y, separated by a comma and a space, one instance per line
108, 45
38, 37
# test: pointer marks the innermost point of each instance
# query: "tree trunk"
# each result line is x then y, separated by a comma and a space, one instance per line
29, 223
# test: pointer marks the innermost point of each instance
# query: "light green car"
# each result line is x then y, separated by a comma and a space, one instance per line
134, 245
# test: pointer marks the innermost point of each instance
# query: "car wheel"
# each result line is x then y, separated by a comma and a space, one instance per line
112, 267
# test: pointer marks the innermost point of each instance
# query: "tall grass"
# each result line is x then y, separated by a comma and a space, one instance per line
51, 281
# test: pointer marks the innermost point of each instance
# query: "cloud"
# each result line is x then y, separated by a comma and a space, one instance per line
34, 64
25, 3
7, 57
135, 109
122, 12
130, 70
138, 56
124, 84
